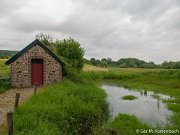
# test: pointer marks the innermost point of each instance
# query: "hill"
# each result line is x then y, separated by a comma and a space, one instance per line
7, 53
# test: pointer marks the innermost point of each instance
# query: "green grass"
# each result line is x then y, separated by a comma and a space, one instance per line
123, 124
4, 69
129, 97
4, 74
62, 108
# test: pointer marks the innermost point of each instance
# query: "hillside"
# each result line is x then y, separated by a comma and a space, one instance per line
7, 53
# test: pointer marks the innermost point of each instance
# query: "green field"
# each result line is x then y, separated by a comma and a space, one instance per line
4, 76
67, 107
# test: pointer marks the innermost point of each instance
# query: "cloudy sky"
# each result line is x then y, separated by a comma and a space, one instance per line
145, 29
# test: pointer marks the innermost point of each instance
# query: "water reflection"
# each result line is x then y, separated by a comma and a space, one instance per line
145, 93
158, 103
147, 107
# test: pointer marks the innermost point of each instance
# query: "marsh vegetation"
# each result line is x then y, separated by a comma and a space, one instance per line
129, 97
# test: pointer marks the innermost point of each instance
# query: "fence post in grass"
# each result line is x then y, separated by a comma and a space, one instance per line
16, 100
10, 123
35, 88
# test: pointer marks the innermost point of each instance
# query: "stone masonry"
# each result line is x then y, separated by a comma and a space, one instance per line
21, 68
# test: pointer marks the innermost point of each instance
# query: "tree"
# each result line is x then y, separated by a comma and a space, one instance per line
103, 59
93, 61
165, 64
109, 60
123, 65
47, 40
104, 63
86, 61
70, 51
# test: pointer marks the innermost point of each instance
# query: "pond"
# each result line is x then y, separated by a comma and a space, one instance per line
146, 107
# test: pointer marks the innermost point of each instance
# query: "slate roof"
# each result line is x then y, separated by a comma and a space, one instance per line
35, 42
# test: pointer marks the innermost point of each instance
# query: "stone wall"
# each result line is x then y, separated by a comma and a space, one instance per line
21, 68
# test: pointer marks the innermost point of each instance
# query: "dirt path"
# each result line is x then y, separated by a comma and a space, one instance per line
7, 100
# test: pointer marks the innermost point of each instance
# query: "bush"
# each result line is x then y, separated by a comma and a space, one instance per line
71, 51
72, 74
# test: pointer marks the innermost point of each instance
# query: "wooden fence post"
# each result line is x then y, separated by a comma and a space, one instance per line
16, 100
10, 123
35, 88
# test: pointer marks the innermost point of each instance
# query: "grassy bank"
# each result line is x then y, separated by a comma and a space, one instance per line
62, 108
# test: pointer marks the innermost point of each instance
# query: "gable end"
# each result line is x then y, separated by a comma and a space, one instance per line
35, 42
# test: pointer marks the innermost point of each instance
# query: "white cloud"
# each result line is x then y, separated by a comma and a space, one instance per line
147, 30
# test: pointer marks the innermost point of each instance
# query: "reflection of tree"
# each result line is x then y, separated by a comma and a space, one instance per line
145, 93
141, 93
158, 103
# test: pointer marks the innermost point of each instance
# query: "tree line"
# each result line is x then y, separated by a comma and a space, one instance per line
71, 52
6, 54
131, 63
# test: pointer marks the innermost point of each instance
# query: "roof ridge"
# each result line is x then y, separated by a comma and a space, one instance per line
35, 42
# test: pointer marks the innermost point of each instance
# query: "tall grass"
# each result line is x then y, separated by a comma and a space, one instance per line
62, 108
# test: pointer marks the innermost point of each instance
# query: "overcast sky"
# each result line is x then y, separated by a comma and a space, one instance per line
145, 29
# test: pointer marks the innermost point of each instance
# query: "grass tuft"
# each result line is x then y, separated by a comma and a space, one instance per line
129, 97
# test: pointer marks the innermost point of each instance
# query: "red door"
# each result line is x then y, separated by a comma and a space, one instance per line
37, 71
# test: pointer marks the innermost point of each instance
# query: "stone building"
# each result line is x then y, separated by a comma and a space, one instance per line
35, 64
